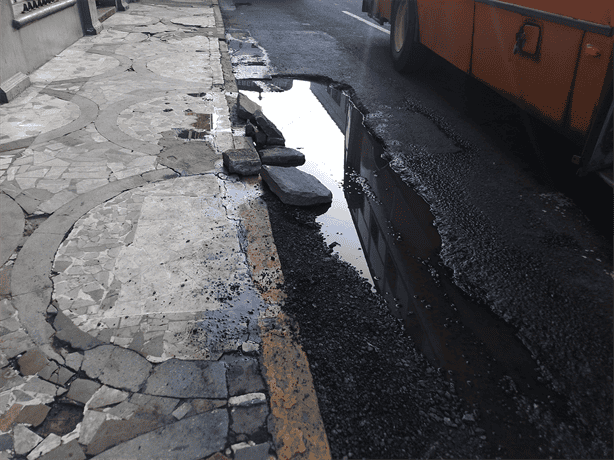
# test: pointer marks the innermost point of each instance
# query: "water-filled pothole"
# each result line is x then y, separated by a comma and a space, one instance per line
308, 127
376, 214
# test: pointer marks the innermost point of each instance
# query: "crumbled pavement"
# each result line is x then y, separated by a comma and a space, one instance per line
140, 301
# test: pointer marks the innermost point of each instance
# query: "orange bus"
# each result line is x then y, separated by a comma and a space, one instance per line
551, 57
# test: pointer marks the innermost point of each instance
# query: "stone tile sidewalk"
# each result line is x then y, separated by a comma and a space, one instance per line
140, 306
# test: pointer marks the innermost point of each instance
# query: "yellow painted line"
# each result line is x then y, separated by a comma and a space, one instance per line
294, 422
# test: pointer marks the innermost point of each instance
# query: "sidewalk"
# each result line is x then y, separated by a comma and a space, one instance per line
141, 311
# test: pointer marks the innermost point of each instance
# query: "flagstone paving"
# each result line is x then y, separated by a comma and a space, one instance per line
140, 337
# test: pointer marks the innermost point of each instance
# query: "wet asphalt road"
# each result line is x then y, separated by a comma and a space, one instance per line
515, 237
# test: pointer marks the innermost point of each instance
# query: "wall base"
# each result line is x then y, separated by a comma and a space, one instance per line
12, 87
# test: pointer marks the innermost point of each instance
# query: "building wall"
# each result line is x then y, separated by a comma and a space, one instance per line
26, 49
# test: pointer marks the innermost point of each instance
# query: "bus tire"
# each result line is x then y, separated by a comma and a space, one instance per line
408, 54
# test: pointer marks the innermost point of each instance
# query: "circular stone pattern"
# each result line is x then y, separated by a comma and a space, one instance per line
37, 114
74, 63
146, 268
148, 119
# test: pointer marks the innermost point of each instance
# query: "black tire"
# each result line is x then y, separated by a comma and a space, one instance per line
408, 54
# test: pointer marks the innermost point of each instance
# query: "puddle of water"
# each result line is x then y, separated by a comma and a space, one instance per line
306, 126
383, 227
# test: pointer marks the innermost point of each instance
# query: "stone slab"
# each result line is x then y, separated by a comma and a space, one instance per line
32, 361
281, 156
257, 452
82, 390
68, 332
164, 406
189, 439
6, 442
49, 443
106, 396
32, 308
188, 379
246, 108
24, 439
33, 415
69, 451
273, 135
248, 419
243, 375
114, 432
245, 162
116, 366
189, 158
11, 229
295, 187
74, 360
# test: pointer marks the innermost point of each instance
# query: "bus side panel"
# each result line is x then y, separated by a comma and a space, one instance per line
597, 11
540, 83
378, 9
595, 59
446, 27
383, 9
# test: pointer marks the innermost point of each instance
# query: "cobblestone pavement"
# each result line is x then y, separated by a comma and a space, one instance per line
140, 309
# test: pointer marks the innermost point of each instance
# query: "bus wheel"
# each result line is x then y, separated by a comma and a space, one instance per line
407, 52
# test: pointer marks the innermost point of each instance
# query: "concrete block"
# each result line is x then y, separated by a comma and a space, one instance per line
295, 187
245, 162
12, 87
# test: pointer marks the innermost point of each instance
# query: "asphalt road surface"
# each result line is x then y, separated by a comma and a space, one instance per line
523, 248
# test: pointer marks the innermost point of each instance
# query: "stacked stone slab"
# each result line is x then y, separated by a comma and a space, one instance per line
245, 161
295, 187
262, 130
281, 156
276, 163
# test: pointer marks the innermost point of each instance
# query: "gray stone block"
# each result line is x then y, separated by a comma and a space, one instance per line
295, 187
188, 379
248, 419
68, 332
71, 451
189, 158
255, 134
82, 390
246, 107
117, 367
273, 135
164, 406
243, 375
6, 442
12, 87
257, 452
281, 156
189, 439
11, 230
245, 162
32, 362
